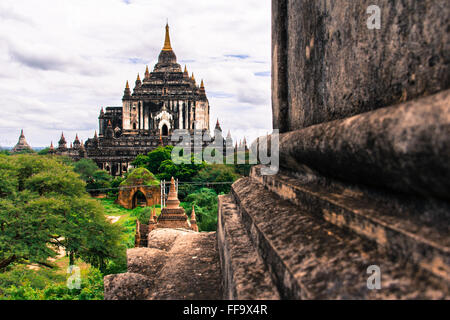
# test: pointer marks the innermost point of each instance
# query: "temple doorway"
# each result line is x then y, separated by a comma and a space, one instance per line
164, 130
139, 200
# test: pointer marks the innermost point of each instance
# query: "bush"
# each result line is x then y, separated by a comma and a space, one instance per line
91, 289
205, 202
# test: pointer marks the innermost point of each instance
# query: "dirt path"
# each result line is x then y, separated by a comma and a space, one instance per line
113, 219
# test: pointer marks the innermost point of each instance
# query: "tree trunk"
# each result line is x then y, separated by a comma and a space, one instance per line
6, 262
71, 259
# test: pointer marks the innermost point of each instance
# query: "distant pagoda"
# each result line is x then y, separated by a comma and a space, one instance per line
22, 145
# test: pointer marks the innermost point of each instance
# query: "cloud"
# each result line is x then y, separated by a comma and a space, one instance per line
61, 61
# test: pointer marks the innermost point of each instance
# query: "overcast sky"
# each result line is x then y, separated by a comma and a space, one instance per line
61, 61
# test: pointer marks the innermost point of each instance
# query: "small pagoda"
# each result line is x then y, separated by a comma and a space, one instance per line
22, 145
172, 215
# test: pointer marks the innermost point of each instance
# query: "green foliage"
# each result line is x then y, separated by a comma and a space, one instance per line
159, 162
44, 151
205, 202
183, 172
115, 183
25, 289
25, 151
19, 275
92, 175
217, 173
101, 180
153, 159
140, 176
144, 215
5, 152
242, 169
44, 205
86, 169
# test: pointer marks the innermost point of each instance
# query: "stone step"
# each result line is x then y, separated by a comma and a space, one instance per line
245, 276
311, 258
406, 227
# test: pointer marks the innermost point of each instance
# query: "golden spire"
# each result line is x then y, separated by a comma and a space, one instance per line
127, 86
202, 85
185, 69
167, 46
138, 78
193, 78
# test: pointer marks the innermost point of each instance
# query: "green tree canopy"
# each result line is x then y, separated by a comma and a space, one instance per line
217, 173
86, 169
43, 206
205, 202
152, 161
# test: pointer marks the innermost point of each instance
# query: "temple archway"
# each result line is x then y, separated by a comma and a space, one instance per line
164, 130
139, 200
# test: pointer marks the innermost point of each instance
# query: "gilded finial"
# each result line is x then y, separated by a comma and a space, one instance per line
127, 86
167, 46
185, 69
193, 78
202, 85
138, 78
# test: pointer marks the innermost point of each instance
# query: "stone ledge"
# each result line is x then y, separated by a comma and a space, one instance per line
406, 227
402, 148
244, 274
309, 258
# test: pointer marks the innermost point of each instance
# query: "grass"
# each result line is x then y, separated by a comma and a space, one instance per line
127, 218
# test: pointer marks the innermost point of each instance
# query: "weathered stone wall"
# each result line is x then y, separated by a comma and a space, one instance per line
364, 158
328, 65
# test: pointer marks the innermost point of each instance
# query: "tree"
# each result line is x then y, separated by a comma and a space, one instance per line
100, 180
86, 169
44, 205
217, 173
44, 151
152, 161
205, 202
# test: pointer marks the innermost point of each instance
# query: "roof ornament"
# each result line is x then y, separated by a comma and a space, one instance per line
167, 45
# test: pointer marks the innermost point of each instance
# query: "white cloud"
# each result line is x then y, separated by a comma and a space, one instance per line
60, 61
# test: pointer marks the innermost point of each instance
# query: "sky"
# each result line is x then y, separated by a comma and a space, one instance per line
61, 61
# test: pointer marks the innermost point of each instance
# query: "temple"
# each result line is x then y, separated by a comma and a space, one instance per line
166, 99
21, 145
